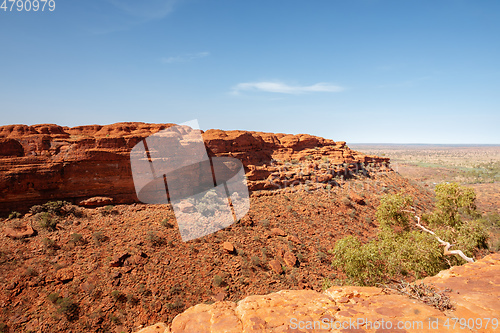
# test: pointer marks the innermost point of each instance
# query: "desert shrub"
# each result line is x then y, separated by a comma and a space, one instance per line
255, 260
3, 328
58, 208
218, 281
321, 256
390, 212
155, 240
77, 239
325, 284
358, 262
48, 221
53, 297
49, 244
14, 215
98, 237
114, 319
176, 305
401, 249
131, 299
67, 307
30, 271
118, 296
453, 201
166, 223
265, 223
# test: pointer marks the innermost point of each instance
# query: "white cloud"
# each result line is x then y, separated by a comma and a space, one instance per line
279, 87
185, 57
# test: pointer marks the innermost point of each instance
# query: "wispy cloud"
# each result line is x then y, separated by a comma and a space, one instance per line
279, 87
185, 57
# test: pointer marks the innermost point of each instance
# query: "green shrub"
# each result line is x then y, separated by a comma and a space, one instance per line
67, 307
53, 297
98, 237
218, 281
166, 223
401, 249
58, 208
77, 239
255, 261
14, 215
47, 221
155, 240
453, 201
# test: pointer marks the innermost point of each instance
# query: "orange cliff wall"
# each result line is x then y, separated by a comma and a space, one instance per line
47, 162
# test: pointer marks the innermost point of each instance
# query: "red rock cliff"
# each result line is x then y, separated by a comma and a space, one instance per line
49, 162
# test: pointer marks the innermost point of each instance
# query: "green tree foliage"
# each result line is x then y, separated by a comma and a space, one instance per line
453, 201
402, 249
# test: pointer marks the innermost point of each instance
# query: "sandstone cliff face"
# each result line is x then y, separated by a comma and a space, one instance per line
475, 294
49, 162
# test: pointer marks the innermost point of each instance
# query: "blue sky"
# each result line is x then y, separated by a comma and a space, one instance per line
358, 71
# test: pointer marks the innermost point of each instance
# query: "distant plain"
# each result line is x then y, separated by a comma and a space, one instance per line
477, 166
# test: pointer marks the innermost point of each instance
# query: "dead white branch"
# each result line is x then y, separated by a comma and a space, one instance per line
446, 245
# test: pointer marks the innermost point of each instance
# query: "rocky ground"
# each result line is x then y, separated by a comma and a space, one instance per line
472, 290
117, 268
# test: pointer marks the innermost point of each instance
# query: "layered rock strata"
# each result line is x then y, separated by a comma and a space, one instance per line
47, 162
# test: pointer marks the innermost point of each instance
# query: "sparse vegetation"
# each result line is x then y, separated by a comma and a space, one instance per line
402, 249
218, 281
48, 221
67, 307
14, 215
156, 240
166, 223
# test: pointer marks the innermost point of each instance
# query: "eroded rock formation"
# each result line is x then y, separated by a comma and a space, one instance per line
49, 162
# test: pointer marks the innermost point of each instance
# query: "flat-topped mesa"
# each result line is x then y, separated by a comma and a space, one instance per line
47, 162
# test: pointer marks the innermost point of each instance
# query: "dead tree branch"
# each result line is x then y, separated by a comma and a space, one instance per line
446, 245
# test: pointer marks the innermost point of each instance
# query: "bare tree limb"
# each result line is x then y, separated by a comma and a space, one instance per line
441, 242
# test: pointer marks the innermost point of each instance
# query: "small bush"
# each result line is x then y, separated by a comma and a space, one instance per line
77, 239
98, 237
14, 215
325, 284
49, 243
255, 260
218, 281
166, 223
53, 297
131, 299
177, 305
265, 223
118, 296
67, 307
47, 221
154, 239
58, 208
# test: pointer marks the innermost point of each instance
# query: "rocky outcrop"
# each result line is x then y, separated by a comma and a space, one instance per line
475, 293
49, 162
